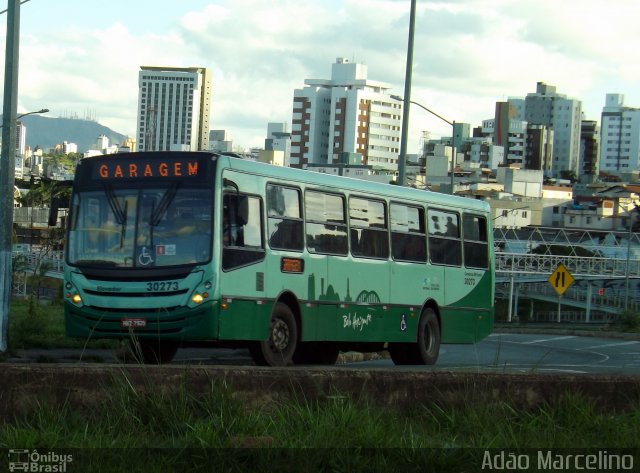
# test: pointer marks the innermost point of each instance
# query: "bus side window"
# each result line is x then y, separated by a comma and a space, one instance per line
444, 238
476, 247
284, 213
368, 222
241, 231
408, 234
326, 225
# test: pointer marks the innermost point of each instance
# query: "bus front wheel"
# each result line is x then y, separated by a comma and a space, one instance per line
425, 351
279, 347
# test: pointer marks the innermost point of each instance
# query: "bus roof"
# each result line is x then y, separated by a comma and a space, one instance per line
340, 183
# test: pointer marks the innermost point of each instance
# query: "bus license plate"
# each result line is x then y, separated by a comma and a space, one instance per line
133, 323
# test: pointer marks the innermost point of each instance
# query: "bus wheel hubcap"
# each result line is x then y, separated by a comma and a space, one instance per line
280, 335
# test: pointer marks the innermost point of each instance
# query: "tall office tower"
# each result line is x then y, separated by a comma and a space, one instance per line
21, 138
563, 115
509, 131
588, 151
174, 107
345, 114
620, 137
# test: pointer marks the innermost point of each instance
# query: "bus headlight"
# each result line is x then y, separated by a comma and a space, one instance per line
76, 299
197, 298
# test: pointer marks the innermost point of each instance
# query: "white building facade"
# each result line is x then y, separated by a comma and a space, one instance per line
174, 107
348, 113
620, 137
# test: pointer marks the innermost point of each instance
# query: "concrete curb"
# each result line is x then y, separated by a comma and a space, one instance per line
27, 385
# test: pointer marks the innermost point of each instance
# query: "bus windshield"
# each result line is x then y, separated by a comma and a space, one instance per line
160, 226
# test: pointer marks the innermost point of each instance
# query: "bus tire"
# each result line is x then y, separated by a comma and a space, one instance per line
153, 352
427, 347
281, 343
428, 344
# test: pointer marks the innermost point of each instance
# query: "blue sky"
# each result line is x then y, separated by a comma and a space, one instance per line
83, 56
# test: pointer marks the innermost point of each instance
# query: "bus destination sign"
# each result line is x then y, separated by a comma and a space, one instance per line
123, 168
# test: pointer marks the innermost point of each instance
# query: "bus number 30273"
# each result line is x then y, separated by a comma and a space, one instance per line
162, 286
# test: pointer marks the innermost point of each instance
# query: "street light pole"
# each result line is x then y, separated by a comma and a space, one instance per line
626, 278
44, 110
453, 130
402, 162
453, 152
7, 163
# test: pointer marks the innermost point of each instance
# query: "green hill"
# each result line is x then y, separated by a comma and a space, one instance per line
46, 132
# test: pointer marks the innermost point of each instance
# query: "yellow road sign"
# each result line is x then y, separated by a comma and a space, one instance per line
561, 279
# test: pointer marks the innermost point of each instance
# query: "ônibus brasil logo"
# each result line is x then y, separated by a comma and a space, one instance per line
36, 462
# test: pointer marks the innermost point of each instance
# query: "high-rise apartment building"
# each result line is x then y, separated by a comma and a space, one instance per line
620, 137
563, 116
588, 151
345, 114
174, 108
21, 138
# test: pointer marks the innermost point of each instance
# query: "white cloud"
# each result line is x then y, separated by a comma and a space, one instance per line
468, 54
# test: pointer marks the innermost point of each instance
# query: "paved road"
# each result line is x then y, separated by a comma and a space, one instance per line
537, 353
500, 352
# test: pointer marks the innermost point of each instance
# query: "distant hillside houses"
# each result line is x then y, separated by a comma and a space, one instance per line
100, 147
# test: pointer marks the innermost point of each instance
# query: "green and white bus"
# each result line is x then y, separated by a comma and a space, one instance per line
178, 249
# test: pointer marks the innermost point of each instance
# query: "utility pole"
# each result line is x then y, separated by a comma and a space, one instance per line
402, 161
7, 163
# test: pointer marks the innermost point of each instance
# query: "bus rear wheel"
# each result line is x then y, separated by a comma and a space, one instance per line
425, 351
279, 347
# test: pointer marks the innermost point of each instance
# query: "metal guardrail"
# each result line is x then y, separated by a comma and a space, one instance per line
529, 265
611, 301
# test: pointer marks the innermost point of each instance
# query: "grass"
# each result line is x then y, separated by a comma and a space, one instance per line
33, 324
336, 433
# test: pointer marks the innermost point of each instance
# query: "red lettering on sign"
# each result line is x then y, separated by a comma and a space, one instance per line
145, 169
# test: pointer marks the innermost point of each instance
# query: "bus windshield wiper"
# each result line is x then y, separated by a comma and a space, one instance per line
123, 229
114, 204
166, 200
